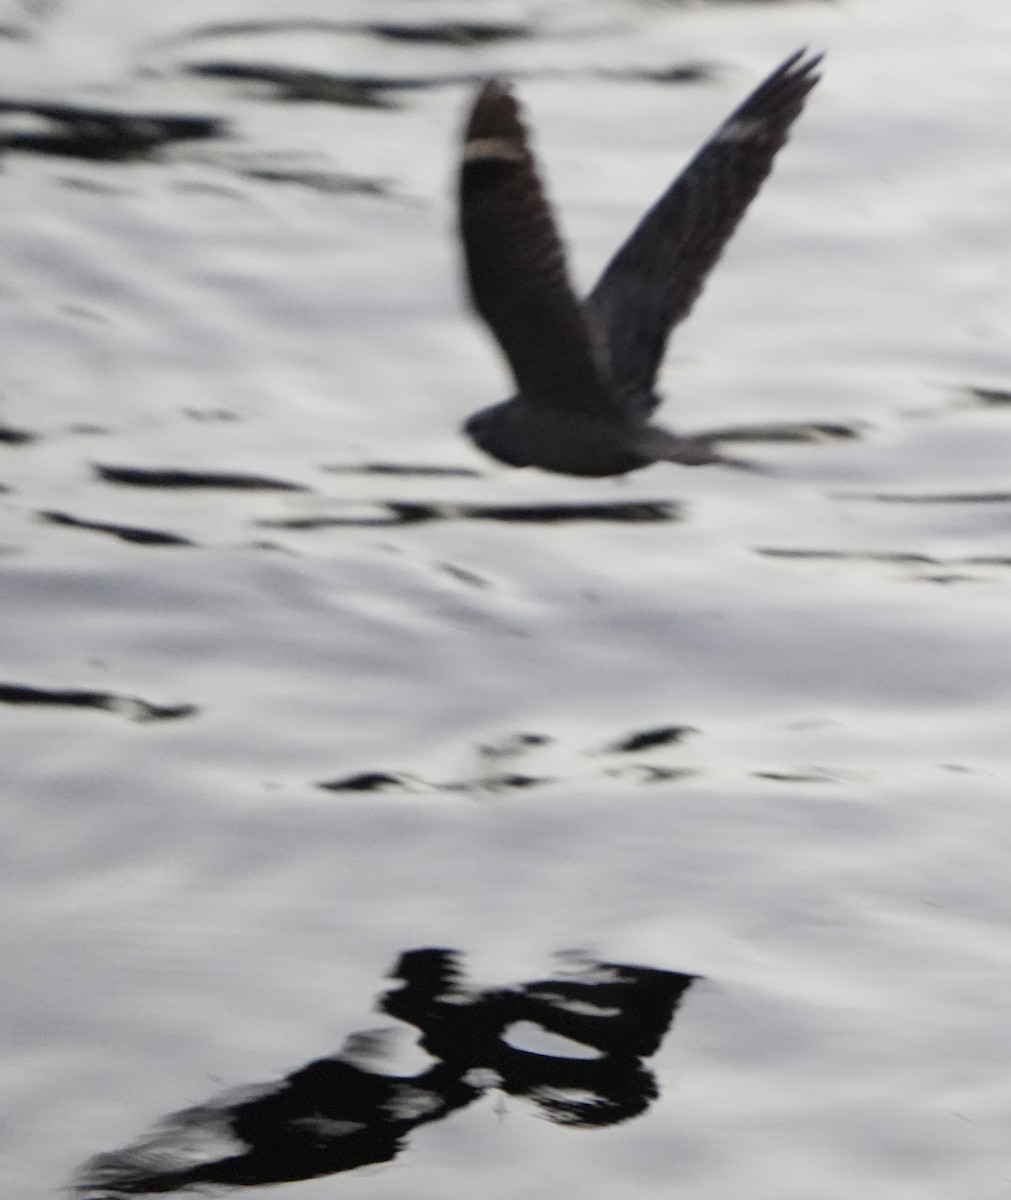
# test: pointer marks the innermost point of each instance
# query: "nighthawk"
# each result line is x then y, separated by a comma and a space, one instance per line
585, 371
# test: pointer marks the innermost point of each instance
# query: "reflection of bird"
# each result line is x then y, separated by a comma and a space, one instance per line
585, 372
351, 1110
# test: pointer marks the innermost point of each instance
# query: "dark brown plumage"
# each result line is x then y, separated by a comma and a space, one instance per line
585, 371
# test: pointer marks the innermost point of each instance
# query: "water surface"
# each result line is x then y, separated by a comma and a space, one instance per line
295, 684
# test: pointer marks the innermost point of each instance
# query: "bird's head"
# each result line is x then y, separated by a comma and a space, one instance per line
499, 431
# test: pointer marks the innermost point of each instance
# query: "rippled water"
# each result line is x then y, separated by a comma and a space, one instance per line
295, 684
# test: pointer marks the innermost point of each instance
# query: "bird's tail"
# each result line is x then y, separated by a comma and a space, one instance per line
660, 445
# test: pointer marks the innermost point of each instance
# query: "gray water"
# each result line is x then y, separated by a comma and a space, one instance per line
747, 725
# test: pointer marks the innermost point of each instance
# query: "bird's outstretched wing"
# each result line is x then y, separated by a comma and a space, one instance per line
655, 278
516, 264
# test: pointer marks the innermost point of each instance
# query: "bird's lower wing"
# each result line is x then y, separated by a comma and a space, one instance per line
516, 264
655, 278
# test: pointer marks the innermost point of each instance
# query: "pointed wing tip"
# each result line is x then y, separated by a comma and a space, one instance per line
494, 90
493, 101
495, 115
777, 101
801, 66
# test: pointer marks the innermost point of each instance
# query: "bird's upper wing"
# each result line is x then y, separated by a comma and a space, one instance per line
516, 264
655, 278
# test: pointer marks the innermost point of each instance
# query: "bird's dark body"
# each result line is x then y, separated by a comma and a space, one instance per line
585, 372
521, 434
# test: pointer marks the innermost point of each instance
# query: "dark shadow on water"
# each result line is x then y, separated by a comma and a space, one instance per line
396, 512
11, 436
440, 33
925, 568
104, 134
370, 781
450, 33
148, 477
499, 762
517, 743
410, 470
649, 739
299, 170
385, 781
689, 72
129, 706
331, 183
297, 84
874, 556
125, 533
796, 776
784, 431
647, 773
927, 497
631, 512
987, 397
345, 1111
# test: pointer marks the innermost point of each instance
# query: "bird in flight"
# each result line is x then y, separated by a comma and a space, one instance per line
585, 372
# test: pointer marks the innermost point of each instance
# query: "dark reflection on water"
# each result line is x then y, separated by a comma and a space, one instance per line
292, 84
407, 469
109, 134
125, 533
782, 431
879, 556
323, 87
129, 706
334, 183
797, 776
498, 772
173, 478
926, 568
992, 397
930, 497
647, 739
452, 33
339, 1113
11, 436
690, 72
368, 781
397, 512
386, 781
